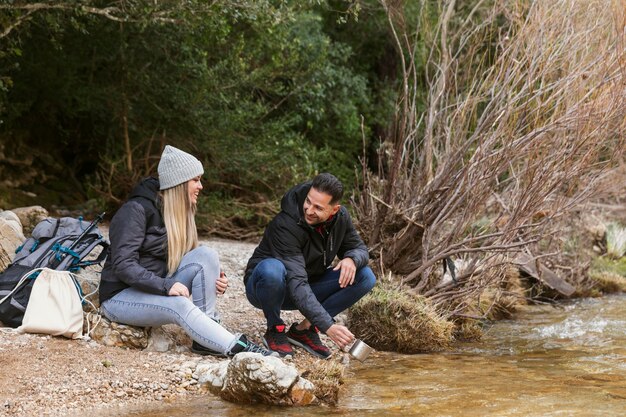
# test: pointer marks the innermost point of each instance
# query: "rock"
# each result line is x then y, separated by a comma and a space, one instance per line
89, 281
10, 240
302, 392
30, 216
13, 221
213, 375
252, 378
110, 333
168, 338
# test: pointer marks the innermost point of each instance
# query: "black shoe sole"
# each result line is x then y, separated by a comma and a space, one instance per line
208, 352
282, 355
307, 348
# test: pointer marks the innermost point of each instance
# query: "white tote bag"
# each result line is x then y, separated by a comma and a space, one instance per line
54, 306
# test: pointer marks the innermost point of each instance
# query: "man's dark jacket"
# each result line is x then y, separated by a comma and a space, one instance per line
307, 251
138, 252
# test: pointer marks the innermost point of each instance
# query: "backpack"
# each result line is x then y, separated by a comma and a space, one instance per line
61, 244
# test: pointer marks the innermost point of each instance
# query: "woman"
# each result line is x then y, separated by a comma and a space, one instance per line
155, 262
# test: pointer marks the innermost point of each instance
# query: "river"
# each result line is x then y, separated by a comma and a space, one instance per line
568, 360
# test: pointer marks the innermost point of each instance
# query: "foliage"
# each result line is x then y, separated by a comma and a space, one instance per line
609, 282
257, 90
606, 264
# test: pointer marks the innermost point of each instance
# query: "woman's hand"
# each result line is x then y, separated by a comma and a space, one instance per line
222, 283
179, 289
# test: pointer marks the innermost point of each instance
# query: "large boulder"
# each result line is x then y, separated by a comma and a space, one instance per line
30, 216
253, 378
11, 238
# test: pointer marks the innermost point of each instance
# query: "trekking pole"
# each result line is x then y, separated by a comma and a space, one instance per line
56, 261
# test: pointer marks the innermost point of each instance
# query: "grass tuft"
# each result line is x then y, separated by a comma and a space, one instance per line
394, 320
615, 241
609, 282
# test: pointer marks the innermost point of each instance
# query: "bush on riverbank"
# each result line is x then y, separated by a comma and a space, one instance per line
395, 320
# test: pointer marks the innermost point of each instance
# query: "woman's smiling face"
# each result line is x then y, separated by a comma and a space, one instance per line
194, 186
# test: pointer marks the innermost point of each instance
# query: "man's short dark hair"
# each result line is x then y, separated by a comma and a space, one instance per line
328, 184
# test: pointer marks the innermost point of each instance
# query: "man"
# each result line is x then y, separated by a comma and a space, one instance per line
290, 269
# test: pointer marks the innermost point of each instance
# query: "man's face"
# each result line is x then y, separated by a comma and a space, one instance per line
318, 208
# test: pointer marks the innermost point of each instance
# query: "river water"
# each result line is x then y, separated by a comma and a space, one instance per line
568, 360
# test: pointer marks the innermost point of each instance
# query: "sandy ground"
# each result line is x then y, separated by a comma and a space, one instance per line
51, 376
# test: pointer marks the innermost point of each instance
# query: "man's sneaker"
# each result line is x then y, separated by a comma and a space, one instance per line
309, 340
275, 339
244, 345
201, 350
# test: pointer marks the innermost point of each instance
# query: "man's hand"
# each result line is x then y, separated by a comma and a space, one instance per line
340, 335
348, 271
221, 284
179, 289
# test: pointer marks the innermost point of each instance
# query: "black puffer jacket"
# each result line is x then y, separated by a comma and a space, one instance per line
307, 252
138, 252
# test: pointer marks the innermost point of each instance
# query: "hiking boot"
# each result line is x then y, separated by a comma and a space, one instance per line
244, 345
309, 340
275, 339
204, 351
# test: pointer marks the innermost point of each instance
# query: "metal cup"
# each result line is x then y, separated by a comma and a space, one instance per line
360, 350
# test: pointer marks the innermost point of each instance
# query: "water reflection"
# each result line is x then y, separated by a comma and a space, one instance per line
566, 361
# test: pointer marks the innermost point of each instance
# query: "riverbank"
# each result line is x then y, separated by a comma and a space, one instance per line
53, 376
48, 376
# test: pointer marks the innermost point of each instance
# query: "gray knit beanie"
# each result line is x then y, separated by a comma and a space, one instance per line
177, 167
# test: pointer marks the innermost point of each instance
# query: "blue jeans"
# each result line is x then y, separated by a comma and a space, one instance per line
267, 289
198, 271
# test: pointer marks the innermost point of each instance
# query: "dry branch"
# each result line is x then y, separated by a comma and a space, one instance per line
518, 140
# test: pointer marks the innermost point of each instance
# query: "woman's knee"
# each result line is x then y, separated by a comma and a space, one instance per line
208, 256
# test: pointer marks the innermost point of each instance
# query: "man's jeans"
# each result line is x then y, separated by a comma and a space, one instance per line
198, 271
267, 289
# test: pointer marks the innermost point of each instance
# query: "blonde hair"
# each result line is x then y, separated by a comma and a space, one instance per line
180, 223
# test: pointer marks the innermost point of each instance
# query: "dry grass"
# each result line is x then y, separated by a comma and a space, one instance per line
609, 282
608, 275
326, 375
395, 320
468, 330
502, 301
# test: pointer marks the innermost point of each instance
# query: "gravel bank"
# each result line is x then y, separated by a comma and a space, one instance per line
53, 376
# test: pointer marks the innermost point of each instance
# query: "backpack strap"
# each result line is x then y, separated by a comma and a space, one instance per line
56, 227
101, 257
